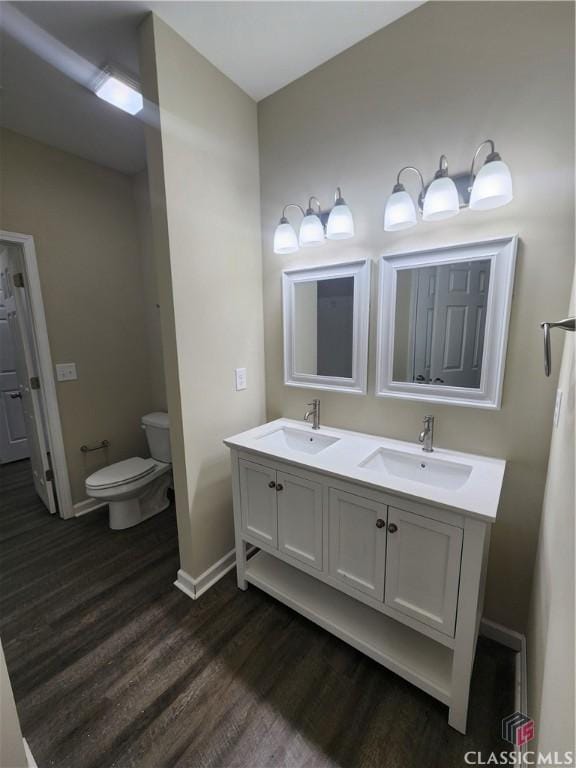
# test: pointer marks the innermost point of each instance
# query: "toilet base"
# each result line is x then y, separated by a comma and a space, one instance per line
130, 512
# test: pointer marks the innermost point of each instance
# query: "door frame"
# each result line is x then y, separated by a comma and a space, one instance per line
45, 369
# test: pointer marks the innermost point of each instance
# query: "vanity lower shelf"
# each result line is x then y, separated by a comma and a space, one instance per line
411, 655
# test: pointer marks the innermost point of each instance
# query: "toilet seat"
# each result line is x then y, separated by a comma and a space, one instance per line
121, 473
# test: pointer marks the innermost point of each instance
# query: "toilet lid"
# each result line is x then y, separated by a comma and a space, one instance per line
121, 472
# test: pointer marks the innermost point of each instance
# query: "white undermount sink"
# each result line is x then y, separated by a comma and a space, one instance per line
421, 469
302, 441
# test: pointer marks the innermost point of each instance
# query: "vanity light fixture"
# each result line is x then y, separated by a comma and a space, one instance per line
446, 195
285, 238
340, 224
316, 225
441, 198
400, 212
492, 187
118, 90
311, 228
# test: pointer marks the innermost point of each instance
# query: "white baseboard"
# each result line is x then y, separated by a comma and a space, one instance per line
88, 505
196, 587
501, 634
516, 642
29, 756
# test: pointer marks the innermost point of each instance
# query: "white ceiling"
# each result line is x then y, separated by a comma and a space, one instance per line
51, 50
263, 46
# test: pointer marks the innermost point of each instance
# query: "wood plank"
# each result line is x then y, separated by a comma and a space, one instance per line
113, 666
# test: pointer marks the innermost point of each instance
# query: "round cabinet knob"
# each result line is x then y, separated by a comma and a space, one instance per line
380, 523
271, 484
392, 528
279, 487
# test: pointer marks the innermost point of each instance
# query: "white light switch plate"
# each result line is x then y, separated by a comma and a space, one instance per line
66, 372
240, 378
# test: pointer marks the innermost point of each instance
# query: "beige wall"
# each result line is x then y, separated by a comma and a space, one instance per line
550, 646
150, 286
203, 166
12, 754
83, 219
442, 79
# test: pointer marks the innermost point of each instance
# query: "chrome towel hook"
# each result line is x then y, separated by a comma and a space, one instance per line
569, 324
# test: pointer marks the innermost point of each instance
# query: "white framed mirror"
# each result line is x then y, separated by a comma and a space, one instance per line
326, 315
443, 318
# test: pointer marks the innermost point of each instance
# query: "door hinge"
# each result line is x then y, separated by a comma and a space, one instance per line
34, 382
49, 475
18, 280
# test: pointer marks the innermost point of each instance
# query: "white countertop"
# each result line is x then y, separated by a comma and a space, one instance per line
478, 497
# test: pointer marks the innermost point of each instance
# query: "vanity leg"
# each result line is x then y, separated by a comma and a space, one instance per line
241, 565
468, 619
240, 544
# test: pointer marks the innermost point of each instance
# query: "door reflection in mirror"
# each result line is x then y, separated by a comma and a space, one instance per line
440, 321
324, 327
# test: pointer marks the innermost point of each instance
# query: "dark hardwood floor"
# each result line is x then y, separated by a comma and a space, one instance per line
112, 666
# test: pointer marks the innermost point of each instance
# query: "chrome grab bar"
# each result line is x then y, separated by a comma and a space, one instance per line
96, 447
569, 324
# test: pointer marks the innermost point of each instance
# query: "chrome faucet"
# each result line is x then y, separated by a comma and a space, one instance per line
314, 411
426, 437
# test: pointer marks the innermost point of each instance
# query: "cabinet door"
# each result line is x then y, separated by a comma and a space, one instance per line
300, 519
423, 568
357, 542
258, 502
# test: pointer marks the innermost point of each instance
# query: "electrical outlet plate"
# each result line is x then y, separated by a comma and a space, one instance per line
66, 372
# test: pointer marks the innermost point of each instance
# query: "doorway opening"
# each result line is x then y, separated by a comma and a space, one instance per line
30, 427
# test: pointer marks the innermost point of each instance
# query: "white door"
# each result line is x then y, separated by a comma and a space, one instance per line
424, 284
13, 439
19, 314
357, 536
449, 323
258, 502
460, 318
423, 568
300, 519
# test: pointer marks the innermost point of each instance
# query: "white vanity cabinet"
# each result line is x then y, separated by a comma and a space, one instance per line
423, 568
398, 576
282, 510
357, 541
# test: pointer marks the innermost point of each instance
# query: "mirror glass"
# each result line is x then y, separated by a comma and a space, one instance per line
324, 327
326, 314
439, 323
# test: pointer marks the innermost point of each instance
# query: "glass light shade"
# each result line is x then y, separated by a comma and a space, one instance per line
285, 240
492, 186
311, 231
120, 94
340, 223
441, 200
400, 212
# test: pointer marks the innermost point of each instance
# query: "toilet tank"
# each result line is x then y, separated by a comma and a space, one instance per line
157, 428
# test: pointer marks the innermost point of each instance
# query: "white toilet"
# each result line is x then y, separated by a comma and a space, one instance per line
136, 489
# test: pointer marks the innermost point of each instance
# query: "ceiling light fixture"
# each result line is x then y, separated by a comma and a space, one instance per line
315, 227
446, 195
119, 91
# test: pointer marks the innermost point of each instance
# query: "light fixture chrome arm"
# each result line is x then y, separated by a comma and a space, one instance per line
442, 168
399, 187
492, 155
309, 209
292, 205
